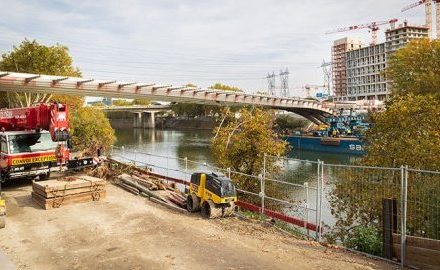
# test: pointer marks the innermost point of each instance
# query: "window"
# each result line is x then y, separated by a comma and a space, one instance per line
28, 143
3, 145
195, 178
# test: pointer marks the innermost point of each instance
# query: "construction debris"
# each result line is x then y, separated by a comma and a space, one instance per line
153, 188
55, 193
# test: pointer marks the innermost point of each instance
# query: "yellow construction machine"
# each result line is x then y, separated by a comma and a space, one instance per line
212, 194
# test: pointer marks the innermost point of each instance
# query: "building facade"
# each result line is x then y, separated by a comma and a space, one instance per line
339, 63
365, 67
365, 73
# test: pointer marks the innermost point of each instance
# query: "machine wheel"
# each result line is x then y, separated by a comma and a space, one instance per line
2, 222
43, 177
229, 211
210, 211
192, 203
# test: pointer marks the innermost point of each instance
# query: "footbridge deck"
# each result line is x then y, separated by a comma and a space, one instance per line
37, 83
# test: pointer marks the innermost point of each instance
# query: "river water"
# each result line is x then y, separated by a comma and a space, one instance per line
195, 145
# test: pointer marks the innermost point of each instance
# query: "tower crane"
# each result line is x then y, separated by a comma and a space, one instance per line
373, 26
428, 13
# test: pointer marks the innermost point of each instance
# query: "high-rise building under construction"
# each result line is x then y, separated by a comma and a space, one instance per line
339, 62
364, 76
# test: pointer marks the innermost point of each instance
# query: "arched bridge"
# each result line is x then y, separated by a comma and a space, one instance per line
25, 82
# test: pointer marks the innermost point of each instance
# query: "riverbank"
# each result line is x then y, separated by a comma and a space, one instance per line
125, 231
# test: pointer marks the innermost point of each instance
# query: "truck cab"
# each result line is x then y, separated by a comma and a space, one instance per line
27, 154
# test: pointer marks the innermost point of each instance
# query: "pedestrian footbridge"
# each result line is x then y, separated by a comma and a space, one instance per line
38, 83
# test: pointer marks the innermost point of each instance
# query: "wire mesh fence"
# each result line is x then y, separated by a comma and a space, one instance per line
423, 200
340, 204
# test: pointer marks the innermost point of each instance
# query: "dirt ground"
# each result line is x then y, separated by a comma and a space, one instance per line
129, 232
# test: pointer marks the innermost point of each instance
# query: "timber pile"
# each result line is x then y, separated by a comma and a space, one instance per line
74, 189
154, 188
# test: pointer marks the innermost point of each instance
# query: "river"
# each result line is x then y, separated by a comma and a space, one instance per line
195, 145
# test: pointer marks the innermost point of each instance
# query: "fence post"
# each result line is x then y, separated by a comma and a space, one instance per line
403, 203
229, 172
321, 194
306, 186
317, 200
263, 182
186, 167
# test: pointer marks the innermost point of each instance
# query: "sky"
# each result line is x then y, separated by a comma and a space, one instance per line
202, 42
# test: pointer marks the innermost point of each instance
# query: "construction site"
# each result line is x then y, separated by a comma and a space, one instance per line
358, 68
94, 212
110, 206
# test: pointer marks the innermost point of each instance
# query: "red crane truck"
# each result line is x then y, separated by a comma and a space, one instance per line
35, 141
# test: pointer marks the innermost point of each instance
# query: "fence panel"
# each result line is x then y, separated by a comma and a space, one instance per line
423, 200
352, 205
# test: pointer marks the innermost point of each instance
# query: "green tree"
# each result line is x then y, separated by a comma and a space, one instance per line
416, 67
141, 101
225, 87
33, 57
121, 102
242, 143
91, 130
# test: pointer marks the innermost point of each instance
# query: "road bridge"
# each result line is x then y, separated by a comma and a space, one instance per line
144, 115
37, 83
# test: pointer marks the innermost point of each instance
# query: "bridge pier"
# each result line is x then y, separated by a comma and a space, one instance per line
137, 120
149, 120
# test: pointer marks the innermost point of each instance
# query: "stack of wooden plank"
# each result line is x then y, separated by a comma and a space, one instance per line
154, 188
74, 189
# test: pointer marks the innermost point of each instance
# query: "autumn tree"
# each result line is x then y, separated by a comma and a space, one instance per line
415, 68
91, 130
33, 57
90, 127
406, 133
242, 143
197, 110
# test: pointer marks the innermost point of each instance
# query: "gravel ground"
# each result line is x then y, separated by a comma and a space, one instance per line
125, 231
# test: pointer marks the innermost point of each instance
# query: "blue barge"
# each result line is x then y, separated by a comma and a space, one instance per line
341, 145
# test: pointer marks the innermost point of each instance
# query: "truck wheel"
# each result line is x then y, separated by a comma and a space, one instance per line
2, 222
192, 203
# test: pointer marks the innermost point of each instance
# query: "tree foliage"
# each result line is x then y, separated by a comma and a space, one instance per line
242, 143
225, 87
198, 110
91, 130
416, 67
121, 102
33, 57
407, 133
288, 123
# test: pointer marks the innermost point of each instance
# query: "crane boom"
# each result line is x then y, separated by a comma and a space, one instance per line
50, 117
413, 5
373, 26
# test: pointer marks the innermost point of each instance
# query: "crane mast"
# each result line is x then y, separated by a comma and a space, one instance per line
428, 14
